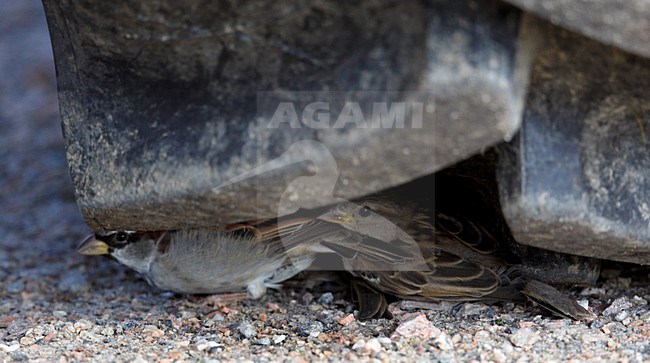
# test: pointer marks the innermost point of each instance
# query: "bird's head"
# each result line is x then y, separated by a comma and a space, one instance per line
369, 217
133, 249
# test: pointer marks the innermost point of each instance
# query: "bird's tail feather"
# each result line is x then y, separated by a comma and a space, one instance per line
512, 282
554, 301
372, 303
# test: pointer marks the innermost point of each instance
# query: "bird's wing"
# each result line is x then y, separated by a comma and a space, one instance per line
270, 232
456, 235
269, 229
322, 236
463, 231
413, 269
282, 227
356, 246
310, 234
445, 277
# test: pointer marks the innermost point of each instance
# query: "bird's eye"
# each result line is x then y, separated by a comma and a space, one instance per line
365, 211
121, 237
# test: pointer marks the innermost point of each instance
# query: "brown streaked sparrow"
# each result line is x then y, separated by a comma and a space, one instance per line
391, 244
405, 248
206, 261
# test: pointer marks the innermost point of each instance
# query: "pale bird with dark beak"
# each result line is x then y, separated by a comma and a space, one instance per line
206, 261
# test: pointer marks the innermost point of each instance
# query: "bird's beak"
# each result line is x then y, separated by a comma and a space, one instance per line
337, 217
92, 246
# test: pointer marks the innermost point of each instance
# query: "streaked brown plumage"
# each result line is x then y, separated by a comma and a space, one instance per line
406, 248
391, 243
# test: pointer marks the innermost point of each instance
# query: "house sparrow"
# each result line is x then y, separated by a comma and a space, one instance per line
390, 244
399, 246
206, 261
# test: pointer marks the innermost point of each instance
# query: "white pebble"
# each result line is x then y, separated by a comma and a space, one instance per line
82, 324
204, 344
9, 348
385, 341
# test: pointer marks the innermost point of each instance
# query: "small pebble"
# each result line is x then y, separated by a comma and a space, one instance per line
325, 317
473, 309
621, 316
314, 307
617, 306
645, 316
443, 341
499, 356
82, 324
9, 348
185, 314
525, 337
247, 329
204, 344
639, 300
370, 347
385, 342
218, 317
588, 337
312, 328
19, 357
595, 324
416, 326
27, 340
107, 331
481, 335
626, 321
216, 349
307, 298
263, 341
613, 327
346, 320
326, 298
359, 344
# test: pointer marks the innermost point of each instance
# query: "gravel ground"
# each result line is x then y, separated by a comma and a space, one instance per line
59, 306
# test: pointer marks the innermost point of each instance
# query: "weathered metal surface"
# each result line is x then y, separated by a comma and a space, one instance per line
623, 23
577, 177
165, 127
469, 189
